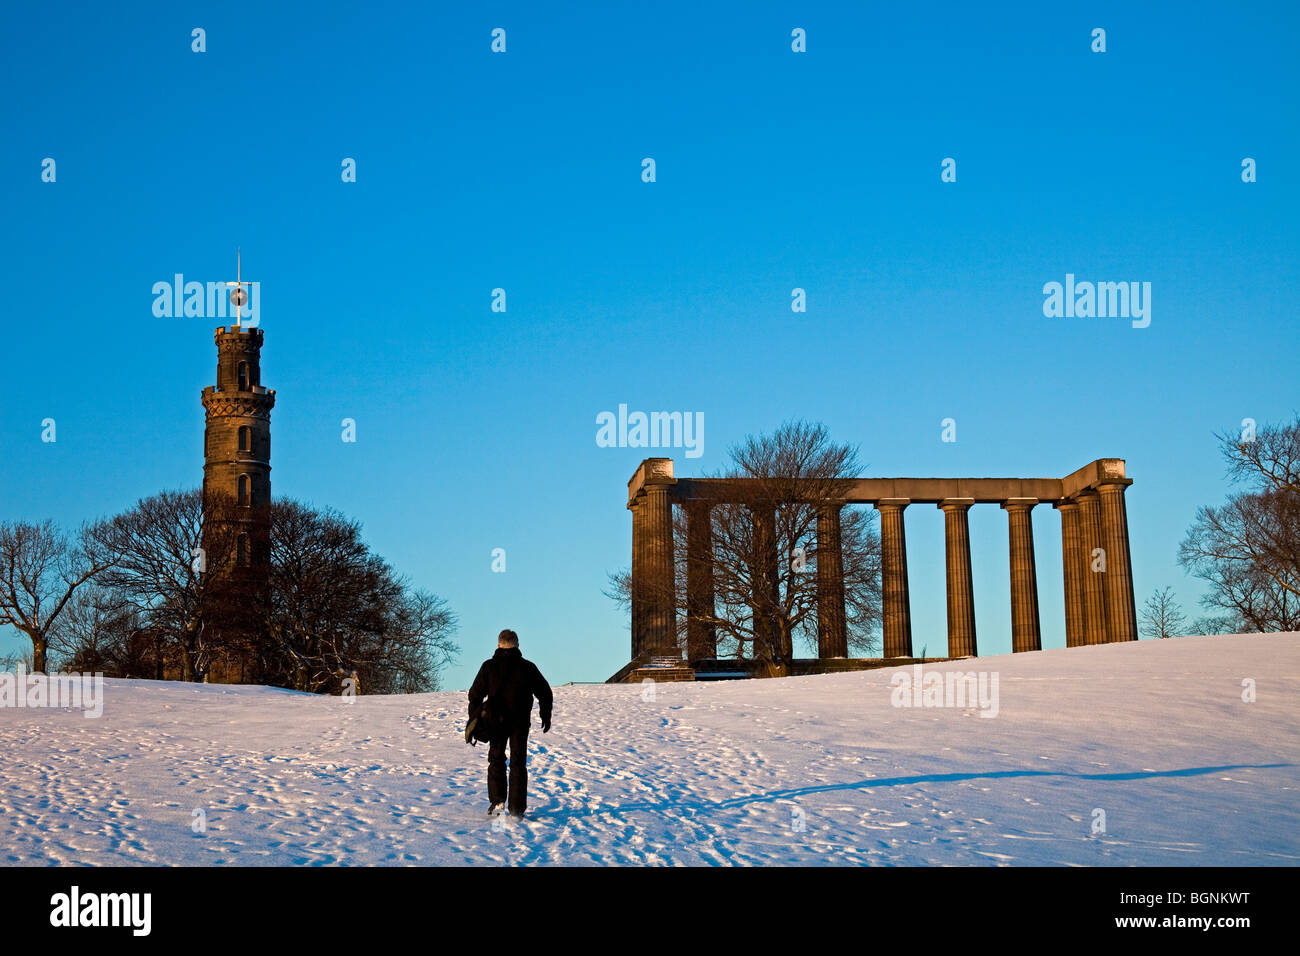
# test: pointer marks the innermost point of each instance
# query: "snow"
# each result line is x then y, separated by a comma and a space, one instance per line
807, 770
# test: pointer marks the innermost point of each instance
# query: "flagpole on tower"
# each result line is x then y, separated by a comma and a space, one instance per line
238, 297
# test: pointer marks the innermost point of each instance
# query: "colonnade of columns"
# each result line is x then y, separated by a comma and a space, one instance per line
1099, 600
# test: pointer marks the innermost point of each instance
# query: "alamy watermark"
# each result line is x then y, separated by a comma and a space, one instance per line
81, 691
653, 430
208, 300
1103, 300
965, 690
75, 908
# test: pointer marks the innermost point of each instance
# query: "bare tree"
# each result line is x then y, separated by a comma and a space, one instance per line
1214, 624
1248, 549
172, 549
415, 647
92, 633
1161, 616
764, 550
22, 657
40, 570
338, 611
164, 587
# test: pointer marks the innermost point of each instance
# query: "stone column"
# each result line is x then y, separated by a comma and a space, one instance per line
763, 574
638, 576
701, 638
1120, 608
772, 576
893, 578
1095, 627
1073, 569
1025, 632
661, 630
832, 628
961, 588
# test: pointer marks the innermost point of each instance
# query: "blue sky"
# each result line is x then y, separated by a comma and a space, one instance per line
775, 170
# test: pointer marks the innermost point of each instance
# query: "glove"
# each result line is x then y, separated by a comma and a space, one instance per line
546, 725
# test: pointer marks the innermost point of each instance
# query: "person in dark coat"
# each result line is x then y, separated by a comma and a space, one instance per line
509, 683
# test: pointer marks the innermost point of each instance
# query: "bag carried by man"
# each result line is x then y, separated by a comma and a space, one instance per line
482, 727
490, 720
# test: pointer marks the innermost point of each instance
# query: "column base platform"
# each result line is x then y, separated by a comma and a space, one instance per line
731, 669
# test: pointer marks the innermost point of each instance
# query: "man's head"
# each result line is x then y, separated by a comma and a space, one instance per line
507, 638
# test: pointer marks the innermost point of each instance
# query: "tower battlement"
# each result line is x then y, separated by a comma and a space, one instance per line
223, 331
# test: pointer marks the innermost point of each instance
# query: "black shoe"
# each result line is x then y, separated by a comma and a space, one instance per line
517, 814
494, 809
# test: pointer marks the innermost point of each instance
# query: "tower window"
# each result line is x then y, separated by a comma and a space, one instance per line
245, 438
241, 550
245, 491
243, 376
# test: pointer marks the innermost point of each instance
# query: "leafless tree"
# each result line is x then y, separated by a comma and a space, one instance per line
1214, 624
172, 549
22, 657
338, 611
1161, 616
92, 633
41, 568
1248, 549
161, 588
764, 550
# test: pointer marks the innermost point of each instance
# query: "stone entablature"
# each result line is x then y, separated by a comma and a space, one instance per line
913, 490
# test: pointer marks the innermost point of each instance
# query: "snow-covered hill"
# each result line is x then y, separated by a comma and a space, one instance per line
1155, 735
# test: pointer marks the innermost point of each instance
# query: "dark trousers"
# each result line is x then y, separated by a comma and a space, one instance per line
518, 801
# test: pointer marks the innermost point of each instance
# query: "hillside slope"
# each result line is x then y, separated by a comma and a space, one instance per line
804, 770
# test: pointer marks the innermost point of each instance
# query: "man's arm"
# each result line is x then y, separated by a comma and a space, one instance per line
477, 691
542, 691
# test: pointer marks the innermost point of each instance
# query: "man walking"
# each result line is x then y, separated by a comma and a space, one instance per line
509, 683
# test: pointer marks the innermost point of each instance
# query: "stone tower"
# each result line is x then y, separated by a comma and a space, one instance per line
237, 457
